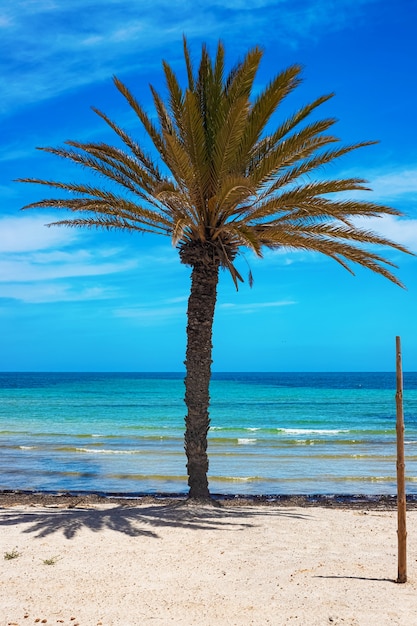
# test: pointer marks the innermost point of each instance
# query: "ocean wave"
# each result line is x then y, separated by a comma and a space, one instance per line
246, 442
238, 479
14, 432
312, 431
105, 451
167, 478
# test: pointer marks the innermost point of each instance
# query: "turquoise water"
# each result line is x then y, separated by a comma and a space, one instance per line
284, 433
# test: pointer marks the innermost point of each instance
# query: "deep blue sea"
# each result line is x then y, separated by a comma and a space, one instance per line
271, 433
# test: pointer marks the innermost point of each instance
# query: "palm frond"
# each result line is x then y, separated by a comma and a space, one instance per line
107, 162
104, 223
337, 250
134, 147
342, 231
189, 65
228, 140
227, 263
226, 178
218, 74
299, 146
240, 79
292, 122
166, 123
311, 210
195, 146
264, 106
176, 97
150, 128
101, 201
179, 162
247, 237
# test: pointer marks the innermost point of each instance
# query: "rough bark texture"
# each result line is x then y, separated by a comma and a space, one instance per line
201, 304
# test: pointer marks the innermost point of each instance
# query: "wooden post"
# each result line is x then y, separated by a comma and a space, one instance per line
401, 497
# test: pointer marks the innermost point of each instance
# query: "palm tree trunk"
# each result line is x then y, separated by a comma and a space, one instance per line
201, 304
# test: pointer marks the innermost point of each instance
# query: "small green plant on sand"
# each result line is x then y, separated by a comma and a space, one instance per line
51, 561
13, 554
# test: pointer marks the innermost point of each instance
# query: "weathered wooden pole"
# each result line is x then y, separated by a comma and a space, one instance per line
401, 497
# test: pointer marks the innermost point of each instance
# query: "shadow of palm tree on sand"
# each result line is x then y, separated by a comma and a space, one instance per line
137, 520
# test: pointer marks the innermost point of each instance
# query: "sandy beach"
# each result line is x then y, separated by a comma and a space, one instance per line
127, 563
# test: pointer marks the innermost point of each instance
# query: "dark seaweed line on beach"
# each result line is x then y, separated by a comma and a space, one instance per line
71, 499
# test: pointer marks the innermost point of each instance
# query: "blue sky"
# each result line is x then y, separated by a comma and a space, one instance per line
94, 301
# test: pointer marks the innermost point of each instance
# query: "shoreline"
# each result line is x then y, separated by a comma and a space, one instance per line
11, 498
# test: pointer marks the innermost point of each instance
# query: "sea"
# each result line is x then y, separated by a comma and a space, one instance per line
270, 434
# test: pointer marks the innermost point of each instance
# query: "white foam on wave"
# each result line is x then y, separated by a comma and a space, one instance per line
27, 447
246, 442
104, 451
311, 431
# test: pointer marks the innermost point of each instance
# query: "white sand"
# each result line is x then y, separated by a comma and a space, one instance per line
157, 564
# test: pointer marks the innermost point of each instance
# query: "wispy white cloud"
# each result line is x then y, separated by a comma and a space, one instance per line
254, 307
14, 151
39, 264
391, 185
29, 269
155, 314
398, 188
50, 47
402, 231
34, 260
283, 257
386, 185
53, 292
178, 300
27, 233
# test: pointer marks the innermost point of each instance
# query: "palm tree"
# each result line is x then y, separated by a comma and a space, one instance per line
223, 182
